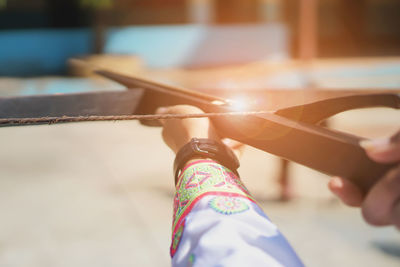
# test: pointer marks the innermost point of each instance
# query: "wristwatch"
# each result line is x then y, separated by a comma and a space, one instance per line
207, 149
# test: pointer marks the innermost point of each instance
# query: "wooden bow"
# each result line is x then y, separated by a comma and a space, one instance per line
290, 132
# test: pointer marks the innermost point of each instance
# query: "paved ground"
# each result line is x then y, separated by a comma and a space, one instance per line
100, 194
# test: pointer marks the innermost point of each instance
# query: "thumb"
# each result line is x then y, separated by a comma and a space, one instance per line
383, 150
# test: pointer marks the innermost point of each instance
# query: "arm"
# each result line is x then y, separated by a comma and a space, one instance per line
381, 205
216, 220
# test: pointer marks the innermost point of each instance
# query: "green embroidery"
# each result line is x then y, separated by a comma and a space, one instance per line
191, 259
201, 178
228, 205
177, 237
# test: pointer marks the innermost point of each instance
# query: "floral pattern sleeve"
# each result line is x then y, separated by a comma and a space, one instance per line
218, 223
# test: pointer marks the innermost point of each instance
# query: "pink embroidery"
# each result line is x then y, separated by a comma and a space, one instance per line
220, 184
189, 183
176, 239
206, 176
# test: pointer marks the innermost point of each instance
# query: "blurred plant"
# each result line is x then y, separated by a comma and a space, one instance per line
95, 4
3, 4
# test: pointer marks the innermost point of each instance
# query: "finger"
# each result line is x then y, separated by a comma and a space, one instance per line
346, 191
378, 205
237, 147
395, 138
232, 143
184, 109
396, 214
162, 110
383, 150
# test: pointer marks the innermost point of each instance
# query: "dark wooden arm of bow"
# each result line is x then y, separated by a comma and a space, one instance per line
289, 133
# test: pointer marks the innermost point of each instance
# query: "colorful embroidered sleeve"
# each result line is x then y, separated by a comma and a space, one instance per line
218, 223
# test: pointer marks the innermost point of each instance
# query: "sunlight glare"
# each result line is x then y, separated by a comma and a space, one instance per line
240, 103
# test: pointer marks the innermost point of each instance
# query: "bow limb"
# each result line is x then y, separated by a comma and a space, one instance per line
324, 150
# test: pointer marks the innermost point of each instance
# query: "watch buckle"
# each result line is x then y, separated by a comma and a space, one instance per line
195, 145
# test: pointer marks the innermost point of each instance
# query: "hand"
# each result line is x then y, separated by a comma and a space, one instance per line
381, 206
178, 132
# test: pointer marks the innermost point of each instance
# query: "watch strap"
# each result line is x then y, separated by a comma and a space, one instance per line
207, 149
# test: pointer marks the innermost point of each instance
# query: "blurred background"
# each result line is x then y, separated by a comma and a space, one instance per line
95, 194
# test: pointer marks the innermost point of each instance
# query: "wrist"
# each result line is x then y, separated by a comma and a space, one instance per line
201, 149
197, 159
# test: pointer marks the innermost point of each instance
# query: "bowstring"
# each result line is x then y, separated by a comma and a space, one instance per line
61, 119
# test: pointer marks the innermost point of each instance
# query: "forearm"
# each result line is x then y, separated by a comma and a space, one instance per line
217, 221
